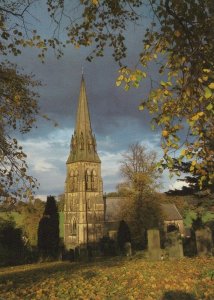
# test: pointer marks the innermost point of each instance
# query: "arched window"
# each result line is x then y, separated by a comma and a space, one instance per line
89, 204
93, 180
172, 227
74, 226
71, 205
71, 185
76, 180
88, 180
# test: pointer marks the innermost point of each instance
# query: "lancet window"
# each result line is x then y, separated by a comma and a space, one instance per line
76, 180
74, 226
88, 180
93, 180
71, 181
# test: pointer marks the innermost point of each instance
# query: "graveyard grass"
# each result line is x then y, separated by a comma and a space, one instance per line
115, 278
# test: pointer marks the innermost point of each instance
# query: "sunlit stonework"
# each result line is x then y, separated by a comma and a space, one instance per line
84, 208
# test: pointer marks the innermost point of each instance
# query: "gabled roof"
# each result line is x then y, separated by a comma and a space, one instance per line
113, 205
170, 212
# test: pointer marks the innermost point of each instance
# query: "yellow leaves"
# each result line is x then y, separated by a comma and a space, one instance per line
209, 106
166, 92
206, 70
141, 279
193, 163
188, 91
133, 77
208, 93
211, 85
197, 116
95, 2
165, 133
183, 152
130, 78
17, 98
205, 78
121, 77
77, 45
177, 33
141, 107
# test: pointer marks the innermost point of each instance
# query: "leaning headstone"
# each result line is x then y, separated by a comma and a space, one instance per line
204, 241
154, 249
128, 249
173, 245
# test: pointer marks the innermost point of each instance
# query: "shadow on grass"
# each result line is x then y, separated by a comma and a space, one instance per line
36, 273
177, 295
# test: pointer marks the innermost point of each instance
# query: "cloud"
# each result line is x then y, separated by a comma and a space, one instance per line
115, 117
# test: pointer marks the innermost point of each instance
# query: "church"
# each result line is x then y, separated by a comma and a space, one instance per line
84, 206
87, 212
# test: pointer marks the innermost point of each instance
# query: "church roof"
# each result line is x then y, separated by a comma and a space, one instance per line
83, 142
113, 206
170, 212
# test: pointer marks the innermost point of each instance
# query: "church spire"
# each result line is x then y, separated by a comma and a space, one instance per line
83, 123
83, 142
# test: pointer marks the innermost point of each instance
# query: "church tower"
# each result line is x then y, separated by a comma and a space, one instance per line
84, 207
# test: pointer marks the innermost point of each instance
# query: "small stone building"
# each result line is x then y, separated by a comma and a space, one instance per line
172, 218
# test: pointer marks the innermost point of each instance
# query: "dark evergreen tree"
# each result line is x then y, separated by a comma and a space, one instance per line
123, 235
192, 181
11, 243
197, 223
48, 231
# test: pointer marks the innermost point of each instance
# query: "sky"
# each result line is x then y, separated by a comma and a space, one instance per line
116, 120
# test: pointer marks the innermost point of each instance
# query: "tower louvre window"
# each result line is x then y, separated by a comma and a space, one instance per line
76, 175
88, 180
71, 181
93, 180
74, 226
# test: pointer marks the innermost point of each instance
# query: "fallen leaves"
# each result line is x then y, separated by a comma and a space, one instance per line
110, 279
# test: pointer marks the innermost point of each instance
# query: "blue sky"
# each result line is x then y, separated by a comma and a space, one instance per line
116, 120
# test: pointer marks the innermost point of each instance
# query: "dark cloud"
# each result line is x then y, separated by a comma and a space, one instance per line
115, 117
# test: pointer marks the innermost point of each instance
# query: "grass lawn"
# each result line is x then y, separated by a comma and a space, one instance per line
114, 278
191, 215
18, 218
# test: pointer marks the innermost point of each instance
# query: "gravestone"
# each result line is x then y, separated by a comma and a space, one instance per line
154, 249
173, 245
128, 249
204, 241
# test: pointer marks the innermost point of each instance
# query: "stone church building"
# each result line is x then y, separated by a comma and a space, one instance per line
84, 207
86, 210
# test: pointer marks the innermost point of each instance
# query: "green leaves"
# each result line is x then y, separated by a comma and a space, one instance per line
208, 93
209, 106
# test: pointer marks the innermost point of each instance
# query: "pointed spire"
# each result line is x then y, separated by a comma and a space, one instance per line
83, 143
83, 123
